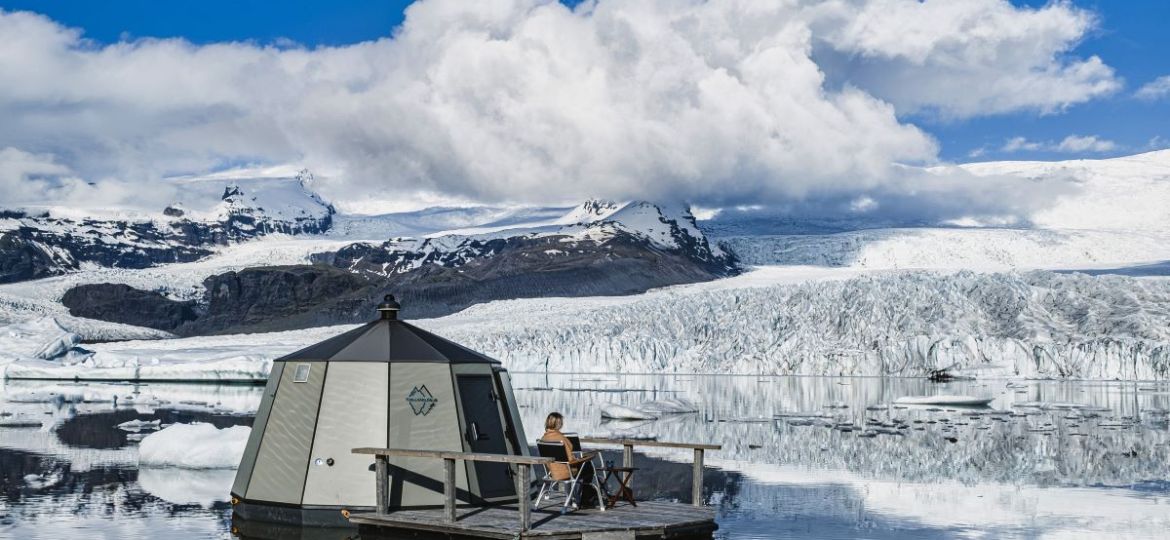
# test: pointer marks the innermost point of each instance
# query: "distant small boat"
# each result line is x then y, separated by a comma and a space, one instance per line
943, 400
942, 375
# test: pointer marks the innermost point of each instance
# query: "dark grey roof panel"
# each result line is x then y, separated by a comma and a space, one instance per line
371, 346
405, 346
328, 348
388, 340
453, 352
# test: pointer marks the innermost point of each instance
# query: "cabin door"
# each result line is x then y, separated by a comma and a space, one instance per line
484, 432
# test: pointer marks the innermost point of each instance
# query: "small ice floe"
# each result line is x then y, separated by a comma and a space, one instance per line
43, 481
800, 419
746, 420
1016, 385
668, 406
619, 412
969, 401
836, 405
194, 446
650, 410
20, 422
139, 425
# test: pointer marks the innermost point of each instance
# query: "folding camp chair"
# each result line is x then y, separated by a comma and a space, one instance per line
578, 452
571, 485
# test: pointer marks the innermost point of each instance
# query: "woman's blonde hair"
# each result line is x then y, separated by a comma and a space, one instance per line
554, 421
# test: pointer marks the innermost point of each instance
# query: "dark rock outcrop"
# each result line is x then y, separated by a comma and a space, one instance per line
120, 303
22, 259
283, 298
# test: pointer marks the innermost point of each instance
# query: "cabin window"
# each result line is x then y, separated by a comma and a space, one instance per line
302, 373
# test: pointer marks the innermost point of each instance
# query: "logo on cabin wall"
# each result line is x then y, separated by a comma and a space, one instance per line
421, 401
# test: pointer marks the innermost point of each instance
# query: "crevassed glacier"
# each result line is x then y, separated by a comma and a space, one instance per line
1035, 324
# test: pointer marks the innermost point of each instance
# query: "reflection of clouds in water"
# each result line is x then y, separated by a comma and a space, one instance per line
999, 476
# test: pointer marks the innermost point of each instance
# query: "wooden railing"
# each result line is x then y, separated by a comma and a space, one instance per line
523, 476
523, 471
696, 467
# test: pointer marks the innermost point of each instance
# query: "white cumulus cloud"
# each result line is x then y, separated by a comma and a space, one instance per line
1155, 89
1071, 144
721, 102
961, 59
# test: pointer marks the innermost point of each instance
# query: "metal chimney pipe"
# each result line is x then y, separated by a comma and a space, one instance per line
389, 307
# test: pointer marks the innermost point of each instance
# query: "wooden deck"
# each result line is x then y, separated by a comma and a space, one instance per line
648, 520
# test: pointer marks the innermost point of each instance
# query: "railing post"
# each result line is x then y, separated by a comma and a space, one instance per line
381, 471
449, 490
524, 503
627, 455
697, 479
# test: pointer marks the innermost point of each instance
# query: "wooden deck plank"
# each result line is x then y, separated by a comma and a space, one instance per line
649, 518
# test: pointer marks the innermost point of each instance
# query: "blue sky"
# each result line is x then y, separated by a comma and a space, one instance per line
1131, 38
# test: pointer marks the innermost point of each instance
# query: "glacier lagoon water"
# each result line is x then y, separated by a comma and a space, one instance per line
803, 457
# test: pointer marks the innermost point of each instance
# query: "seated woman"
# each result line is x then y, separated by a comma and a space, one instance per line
552, 433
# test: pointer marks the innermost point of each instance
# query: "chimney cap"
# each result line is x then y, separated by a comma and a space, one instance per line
389, 307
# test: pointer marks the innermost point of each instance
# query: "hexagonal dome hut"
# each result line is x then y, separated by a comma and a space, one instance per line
386, 384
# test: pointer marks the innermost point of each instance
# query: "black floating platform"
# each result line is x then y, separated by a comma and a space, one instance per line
649, 520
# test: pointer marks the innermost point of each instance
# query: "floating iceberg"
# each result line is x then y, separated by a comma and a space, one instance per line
43, 349
668, 406
650, 410
194, 446
37, 339
969, 401
619, 412
139, 425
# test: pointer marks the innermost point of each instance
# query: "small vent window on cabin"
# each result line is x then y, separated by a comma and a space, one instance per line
302, 373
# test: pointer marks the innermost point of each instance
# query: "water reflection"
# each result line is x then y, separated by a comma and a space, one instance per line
802, 457
829, 457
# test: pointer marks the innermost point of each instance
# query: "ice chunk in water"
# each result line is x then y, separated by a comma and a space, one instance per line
194, 446
619, 412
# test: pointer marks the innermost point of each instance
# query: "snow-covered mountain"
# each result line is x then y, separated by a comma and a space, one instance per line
599, 248
595, 229
312, 275
208, 213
